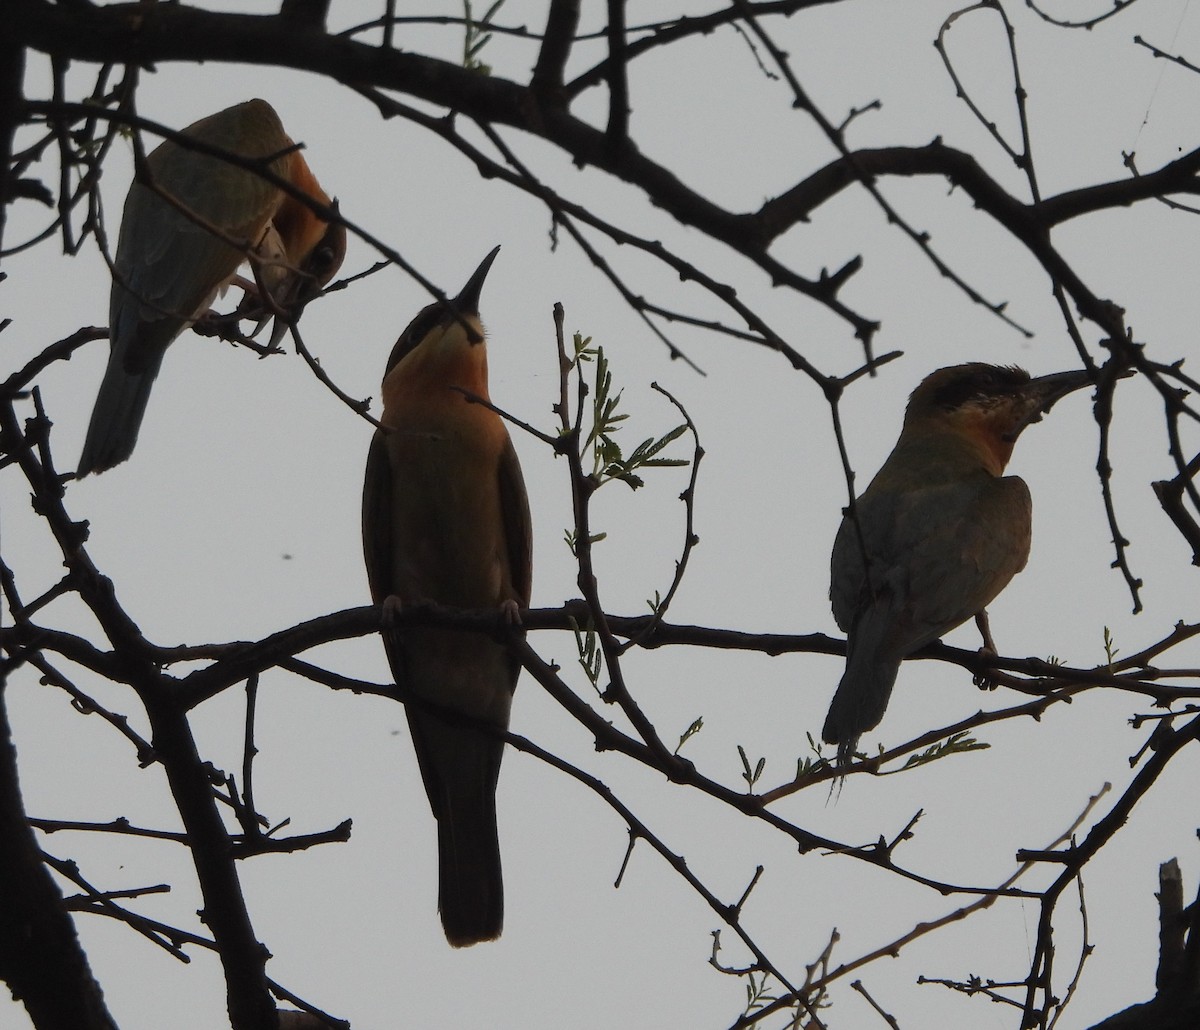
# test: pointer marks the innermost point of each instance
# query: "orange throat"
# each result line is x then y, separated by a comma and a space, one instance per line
431, 379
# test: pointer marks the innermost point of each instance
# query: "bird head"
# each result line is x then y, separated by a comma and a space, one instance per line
322, 262
315, 250
446, 321
989, 403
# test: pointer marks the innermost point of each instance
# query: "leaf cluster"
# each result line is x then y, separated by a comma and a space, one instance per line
609, 461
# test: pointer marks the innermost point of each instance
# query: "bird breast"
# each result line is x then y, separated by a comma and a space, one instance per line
448, 524
936, 554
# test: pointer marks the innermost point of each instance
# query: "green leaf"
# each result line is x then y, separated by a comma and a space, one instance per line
750, 776
955, 744
590, 658
696, 726
1110, 650
630, 480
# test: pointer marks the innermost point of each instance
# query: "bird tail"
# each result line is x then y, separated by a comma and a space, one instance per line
470, 886
861, 698
117, 415
460, 765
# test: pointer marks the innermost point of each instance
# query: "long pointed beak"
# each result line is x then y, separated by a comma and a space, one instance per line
1053, 388
467, 301
1045, 391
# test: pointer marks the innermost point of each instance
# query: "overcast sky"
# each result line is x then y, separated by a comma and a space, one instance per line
238, 515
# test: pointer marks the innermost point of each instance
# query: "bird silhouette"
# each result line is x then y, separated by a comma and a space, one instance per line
942, 528
446, 520
190, 220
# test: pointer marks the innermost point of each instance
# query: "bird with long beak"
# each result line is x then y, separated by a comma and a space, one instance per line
190, 220
446, 520
943, 529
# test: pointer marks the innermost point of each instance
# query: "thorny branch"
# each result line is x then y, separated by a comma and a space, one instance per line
81, 133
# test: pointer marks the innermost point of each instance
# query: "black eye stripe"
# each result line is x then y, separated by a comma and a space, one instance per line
988, 381
425, 324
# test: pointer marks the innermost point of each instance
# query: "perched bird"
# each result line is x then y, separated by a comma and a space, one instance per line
446, 520
189, 220
943, 529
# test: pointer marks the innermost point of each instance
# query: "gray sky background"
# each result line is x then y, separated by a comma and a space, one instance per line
239, 515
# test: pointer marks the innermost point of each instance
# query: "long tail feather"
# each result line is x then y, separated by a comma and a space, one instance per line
117, 416
863, 693
460, 765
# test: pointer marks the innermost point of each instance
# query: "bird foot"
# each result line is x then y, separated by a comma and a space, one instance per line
983, 680
510, 611
210, 322
390, 610
256, 305
251, 307
249, 288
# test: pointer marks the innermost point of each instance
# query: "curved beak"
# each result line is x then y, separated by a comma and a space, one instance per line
318, 268
1042, 393
467, 301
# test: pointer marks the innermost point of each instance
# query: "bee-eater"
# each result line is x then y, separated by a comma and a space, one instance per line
446, 520
943, 528
190, 219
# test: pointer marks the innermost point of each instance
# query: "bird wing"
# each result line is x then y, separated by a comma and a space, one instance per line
378, 520
938, 555
846, 574
977, 544
518, 531
169, 266
376, 517
518, 527
459, 760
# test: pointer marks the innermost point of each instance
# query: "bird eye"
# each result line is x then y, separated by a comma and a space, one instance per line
326, 257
